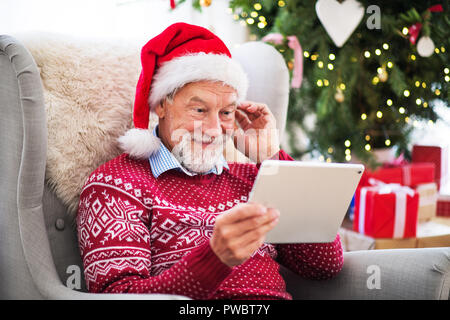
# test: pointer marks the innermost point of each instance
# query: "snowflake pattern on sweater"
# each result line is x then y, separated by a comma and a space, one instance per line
145, 235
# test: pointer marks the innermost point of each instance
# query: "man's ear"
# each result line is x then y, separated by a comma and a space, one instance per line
160, 109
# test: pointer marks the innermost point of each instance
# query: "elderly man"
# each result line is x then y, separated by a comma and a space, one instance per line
170, 215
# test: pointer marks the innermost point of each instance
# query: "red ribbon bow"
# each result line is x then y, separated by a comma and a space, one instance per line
413, 32
294, 44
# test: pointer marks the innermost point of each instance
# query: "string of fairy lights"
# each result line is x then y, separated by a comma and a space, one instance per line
252, 17
381, 75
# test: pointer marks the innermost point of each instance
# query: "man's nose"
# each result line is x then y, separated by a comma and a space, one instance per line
212, 125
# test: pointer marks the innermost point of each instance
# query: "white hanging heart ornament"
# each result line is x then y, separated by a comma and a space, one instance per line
339, 19
425, 46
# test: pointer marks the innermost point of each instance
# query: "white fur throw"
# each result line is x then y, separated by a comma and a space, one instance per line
89, 91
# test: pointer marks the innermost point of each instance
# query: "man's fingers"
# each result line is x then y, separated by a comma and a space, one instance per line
243, 211
255, 236
255, 222
254, 108
242, 119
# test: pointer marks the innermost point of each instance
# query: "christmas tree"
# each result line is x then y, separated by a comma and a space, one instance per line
366, 93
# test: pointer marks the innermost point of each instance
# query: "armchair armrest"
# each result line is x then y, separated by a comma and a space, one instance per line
381, 274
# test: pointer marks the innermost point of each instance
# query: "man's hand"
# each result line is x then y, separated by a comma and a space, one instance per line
258, 136
240, 231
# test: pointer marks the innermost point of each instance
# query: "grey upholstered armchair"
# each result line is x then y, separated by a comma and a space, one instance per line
39, 256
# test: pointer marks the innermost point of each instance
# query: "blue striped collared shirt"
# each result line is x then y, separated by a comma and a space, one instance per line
163, 160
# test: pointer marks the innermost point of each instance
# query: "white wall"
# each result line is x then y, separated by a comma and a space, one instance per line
129, 19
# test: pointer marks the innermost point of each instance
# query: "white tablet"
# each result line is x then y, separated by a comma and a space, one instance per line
312, 197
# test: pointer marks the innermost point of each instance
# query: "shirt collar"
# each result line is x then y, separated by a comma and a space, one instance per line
163, 160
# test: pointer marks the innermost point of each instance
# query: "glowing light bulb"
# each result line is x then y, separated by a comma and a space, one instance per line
377, 52
379, 114
387, 142
367, 147
401, 110
389, 102
385, 46
347, 143
331, 56
375, 80
367, 54
363, 116
406, 93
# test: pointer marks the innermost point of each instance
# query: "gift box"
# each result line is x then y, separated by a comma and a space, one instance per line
407, 174
427, 201
386, 211
443, 205
433, 154
432, 233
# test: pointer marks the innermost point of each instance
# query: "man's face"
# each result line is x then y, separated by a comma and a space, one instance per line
194, 127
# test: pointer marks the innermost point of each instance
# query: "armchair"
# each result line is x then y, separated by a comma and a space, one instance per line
39, 257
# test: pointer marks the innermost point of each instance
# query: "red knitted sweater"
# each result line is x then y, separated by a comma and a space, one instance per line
145, 235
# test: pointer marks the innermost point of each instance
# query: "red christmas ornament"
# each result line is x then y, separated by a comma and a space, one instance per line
414, 31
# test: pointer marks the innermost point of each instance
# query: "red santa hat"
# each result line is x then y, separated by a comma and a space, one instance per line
181, 54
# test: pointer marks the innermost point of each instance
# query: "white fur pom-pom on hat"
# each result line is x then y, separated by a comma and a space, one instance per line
139, 143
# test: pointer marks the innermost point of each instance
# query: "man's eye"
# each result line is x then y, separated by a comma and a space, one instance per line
200, 110
227, 113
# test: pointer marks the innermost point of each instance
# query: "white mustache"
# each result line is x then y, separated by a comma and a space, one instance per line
208, 139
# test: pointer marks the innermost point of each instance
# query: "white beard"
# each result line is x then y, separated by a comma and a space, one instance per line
195, 158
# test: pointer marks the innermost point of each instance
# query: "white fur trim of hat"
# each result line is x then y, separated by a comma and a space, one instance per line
176, 73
